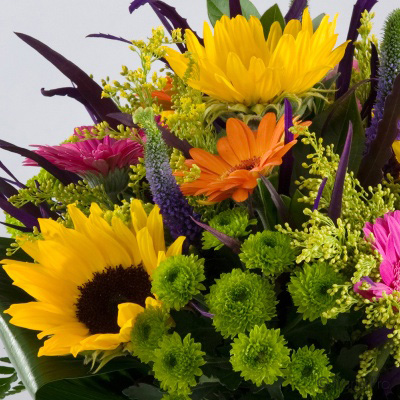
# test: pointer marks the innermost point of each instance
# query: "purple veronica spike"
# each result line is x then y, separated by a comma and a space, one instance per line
286, 169
296, 10
335, 208
319, 194
232, 243
107, 36
346, 65
235, 8
174, 207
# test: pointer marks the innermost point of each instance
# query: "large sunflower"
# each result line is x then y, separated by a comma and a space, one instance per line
238, 65
243, 155
90, 282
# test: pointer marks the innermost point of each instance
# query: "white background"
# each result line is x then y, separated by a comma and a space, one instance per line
29, 118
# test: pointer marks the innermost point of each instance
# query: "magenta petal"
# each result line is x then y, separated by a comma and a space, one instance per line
394, 227
387, 272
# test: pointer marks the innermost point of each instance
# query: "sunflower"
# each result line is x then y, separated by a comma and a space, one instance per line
237, 64
242, 156
90, 282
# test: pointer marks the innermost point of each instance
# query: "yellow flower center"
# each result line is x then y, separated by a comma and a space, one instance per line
97, 305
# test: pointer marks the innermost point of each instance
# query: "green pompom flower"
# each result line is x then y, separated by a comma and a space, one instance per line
150, 327
177, 363
270, 251
239, 301
333, 390
177, 279
175, 396
233, 223
309, 371
310, 290
260, 356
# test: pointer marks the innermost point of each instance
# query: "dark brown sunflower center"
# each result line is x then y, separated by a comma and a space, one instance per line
97, 305
246, 164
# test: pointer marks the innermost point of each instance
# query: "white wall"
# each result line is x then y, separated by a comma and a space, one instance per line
29, 118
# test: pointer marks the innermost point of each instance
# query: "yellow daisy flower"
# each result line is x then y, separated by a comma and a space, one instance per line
90, 282
237, 64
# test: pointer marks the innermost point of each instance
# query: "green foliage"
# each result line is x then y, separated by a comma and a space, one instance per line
150, 327
332, 390
240, 300
309, 371
177, 279
261, 355
270, 16
313, 290
217, 8
270, 251
233, 222
177, 363
9, 382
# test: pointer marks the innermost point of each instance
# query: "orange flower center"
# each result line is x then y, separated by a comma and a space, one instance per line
245, 164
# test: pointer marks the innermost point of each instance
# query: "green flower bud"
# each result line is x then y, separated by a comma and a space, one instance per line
239, 301
310, 290
150, 327
177, 363
260, 356
269, 251
233, 223
309, 371
177, 279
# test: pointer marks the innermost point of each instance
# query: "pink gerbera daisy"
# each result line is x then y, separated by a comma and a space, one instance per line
99, 156
386, 239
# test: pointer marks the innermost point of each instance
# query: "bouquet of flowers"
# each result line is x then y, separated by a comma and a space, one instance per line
228, 227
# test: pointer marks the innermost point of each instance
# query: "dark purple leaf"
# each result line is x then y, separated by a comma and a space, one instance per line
389, 380
346, 65
167, 15
366, 111
170, 139
73, 93
296, 10
285, 171
319, 194
87, 87
201, 311
65, 177
16, 182
232, 243
20, 228
335, 207
376, 338
279, 204
371, 169
107, 36
27, 219
235, 8
173, 141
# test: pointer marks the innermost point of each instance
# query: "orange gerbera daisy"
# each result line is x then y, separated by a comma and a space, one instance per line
242, 156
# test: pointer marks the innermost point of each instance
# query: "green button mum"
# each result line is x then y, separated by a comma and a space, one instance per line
240, 300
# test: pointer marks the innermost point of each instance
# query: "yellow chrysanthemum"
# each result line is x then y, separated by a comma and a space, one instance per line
89, 282
237, 64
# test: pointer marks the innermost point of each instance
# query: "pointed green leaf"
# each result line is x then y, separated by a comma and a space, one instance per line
270, 16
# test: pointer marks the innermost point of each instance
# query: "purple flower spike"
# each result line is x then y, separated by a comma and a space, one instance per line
346, 65
319, 194
335, 207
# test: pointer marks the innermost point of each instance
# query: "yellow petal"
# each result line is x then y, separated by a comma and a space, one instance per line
138, 215
127, 312
156, 229
176, 248
147, 252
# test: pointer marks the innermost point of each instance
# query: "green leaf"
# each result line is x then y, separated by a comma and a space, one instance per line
47, 378
270, 16
217, 8
143, 392
332, 125
248, 9
317, 20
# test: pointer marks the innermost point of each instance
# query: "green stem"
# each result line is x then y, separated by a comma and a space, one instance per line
293, 324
